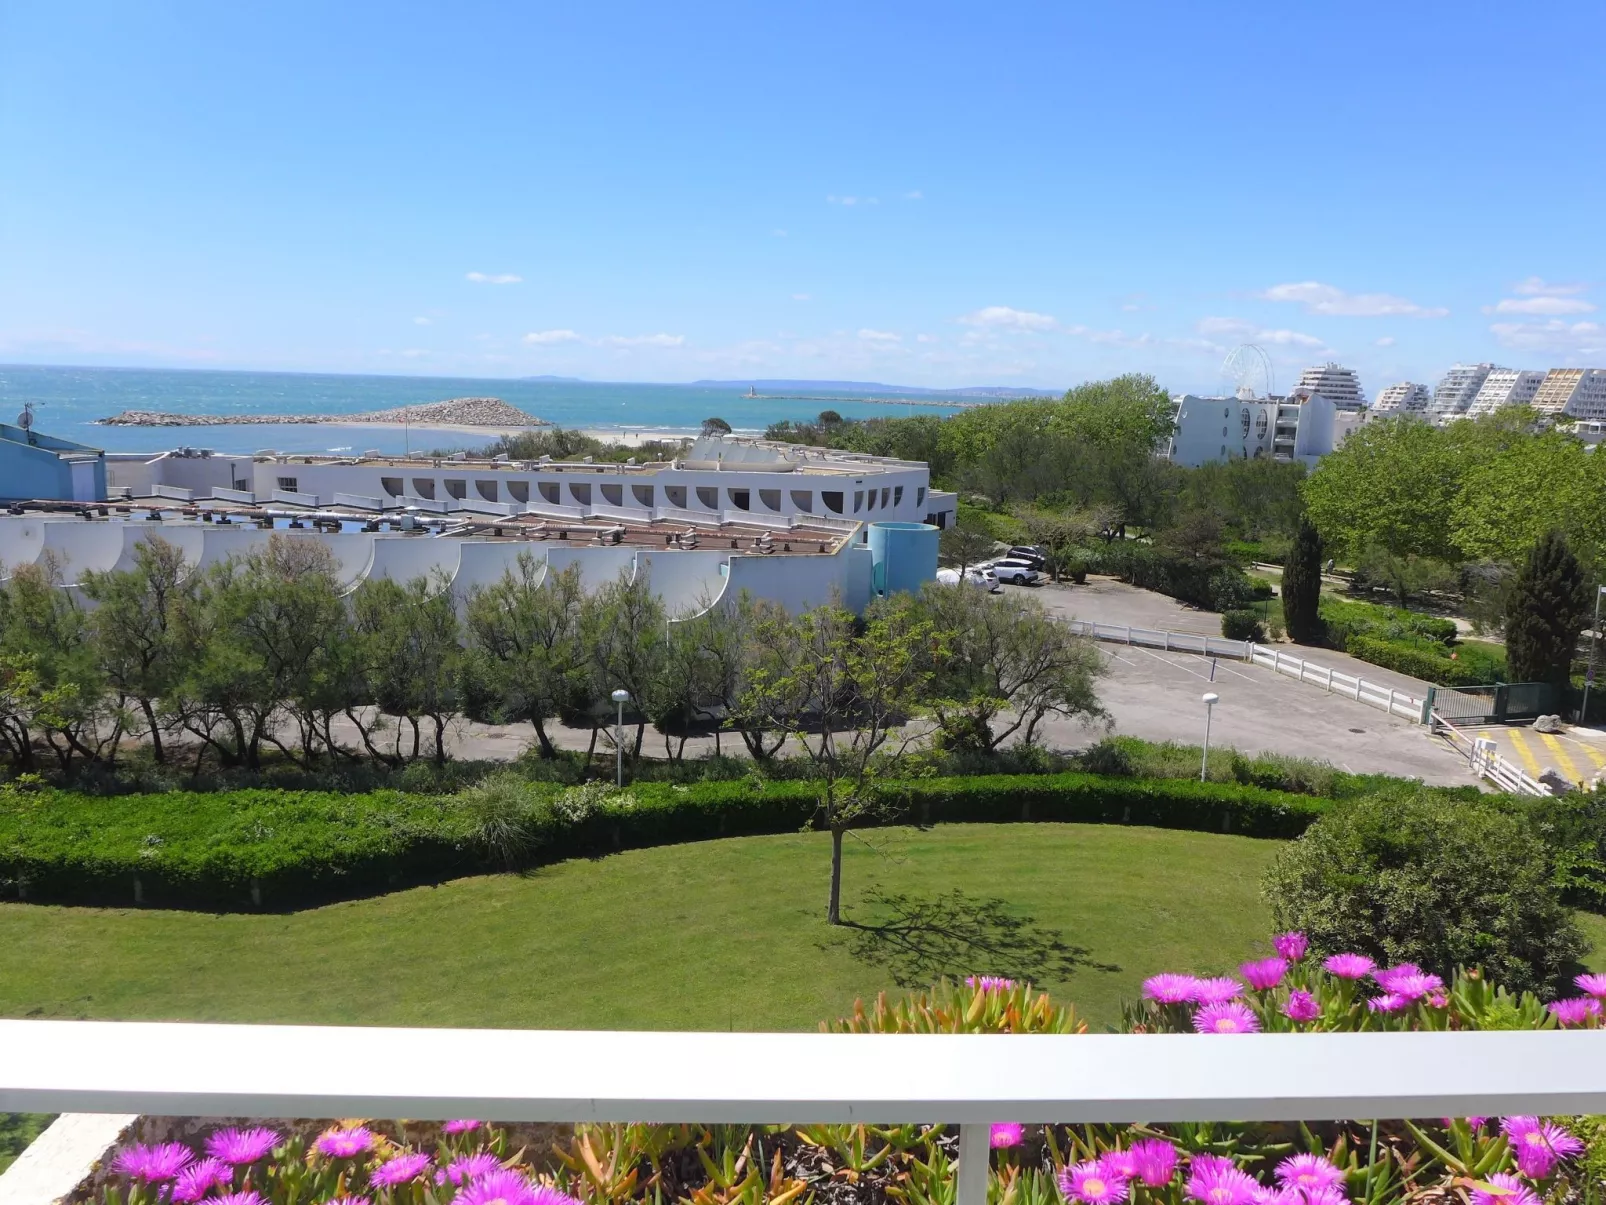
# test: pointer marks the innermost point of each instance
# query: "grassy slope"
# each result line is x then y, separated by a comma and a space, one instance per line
706, 936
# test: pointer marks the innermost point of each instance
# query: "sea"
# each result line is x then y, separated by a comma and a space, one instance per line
68, 402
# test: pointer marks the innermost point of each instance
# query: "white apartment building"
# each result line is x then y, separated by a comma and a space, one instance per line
1505, 387
1212, 429
1403, 397
1457, 389
716, 480
1573, 392
1334, 382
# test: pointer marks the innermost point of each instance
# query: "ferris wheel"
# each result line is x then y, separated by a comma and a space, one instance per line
1248, 368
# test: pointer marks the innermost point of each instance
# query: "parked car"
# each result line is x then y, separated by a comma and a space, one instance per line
1035, 553
976, 575
1017, 570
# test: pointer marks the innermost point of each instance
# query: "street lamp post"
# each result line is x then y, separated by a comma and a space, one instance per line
621, 697
1589, 674
1210, 700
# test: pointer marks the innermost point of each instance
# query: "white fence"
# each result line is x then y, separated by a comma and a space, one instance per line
1373, 694
1483, 756
766, 1078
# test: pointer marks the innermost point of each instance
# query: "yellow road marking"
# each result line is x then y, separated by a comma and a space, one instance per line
1520, 744
1564, 762
1597, 757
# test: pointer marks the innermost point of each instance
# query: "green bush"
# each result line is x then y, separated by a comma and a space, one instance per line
1347, 617
1409, 876
1419, 662
278, 850
1242, 625
1209, 585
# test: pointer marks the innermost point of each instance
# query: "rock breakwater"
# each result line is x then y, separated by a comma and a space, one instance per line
455, 412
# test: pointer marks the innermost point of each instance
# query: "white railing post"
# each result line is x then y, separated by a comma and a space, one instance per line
975, 1156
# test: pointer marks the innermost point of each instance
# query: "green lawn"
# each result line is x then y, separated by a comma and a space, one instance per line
720, 934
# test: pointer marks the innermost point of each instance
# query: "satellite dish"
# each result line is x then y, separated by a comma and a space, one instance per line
25, 419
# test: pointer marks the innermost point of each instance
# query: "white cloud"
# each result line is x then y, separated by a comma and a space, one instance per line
777, 233
801, 297
870, 336
835, 200
927, 339
1004, 317
1534, 286
1318, 298
1249, 332
421, 321
415, 353
659, 340
915, 195
1565, 338
1540, 305
494, 278
1385, 341
540, 338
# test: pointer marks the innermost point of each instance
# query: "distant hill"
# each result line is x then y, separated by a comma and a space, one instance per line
557, 380
878, 387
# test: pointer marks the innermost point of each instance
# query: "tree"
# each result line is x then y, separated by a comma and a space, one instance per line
1391, 485
1005, 666
625, 633
716, 426
134, 628
1545, 613
1532, 485
526, 660
965, 543
409, 658
1302, 585
829, 418
839, 690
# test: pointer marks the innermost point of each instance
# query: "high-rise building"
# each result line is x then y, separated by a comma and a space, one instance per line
1210, 429
1334, 382
1405, 397
1454, 393
1505, 387
1575, 392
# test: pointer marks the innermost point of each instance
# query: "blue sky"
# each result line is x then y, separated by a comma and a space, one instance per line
932, 193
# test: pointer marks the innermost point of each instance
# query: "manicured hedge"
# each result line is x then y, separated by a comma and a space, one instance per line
1430, 667
277, 850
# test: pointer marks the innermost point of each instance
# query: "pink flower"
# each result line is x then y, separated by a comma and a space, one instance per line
1594, 985
1539, 1145
345, 1144
989, 983
1388, 1002
348, 1201
237, 1198
1574, 1010
1438, 1000
236, 1146
1225, 1018
1473, 1123
1509, 1191
1154, 1161
1007, 1133
1301, 1006
1276, 1196
1307, 1172
470, 1167
1213, 1184
1265, 974
155, 1164
1216, 991
1328, 1194
399, 1170
1292, 946
1386, 977
1412, 986
510, 1188
461, 1126
198, 1179
1349, 966
1170, 988
1092, 1183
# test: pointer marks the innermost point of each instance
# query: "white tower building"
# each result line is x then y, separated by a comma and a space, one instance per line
1575, 392
1404, 397
1454, 394
1334, 382
1505, 387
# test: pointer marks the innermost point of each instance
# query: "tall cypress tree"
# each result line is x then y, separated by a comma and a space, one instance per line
1546, 612
1302, 584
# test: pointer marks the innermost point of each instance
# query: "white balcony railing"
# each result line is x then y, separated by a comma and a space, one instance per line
969, 1080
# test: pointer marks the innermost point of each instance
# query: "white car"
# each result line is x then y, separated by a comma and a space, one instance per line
1015, 570
977, 575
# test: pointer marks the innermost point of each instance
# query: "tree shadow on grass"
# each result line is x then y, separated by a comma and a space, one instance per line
920, 940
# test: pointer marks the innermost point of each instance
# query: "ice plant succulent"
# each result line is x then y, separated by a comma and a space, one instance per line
1301, 1006
400, 1170
200, 1178
1539, 1145
1227, 1017
469, 1167
1349, 966
1265, 974
989, 983
345, 1144
1292, 946
1216, 991
1216, 1181
1307, 1172
1154, 1161
1593, 985
154, 1164
461, 1125
241, 1146
1575, 1010
1006, 1133
1511, 1191
1093, 1183
1168, 988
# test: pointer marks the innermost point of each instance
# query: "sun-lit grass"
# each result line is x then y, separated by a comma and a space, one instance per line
715, 935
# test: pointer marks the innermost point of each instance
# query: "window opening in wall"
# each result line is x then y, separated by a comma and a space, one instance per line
613, 495
858, 501
886, 492
676, 495
740, 499
486, 490
288, 485
391, 486
804, 501
549, 491
580, 492
519, 491
897, 495
771, 499
920, 495
424, 487
832, 500
457, 487
708, 497
642, 494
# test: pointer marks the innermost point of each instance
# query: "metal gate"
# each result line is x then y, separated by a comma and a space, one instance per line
1497, 703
